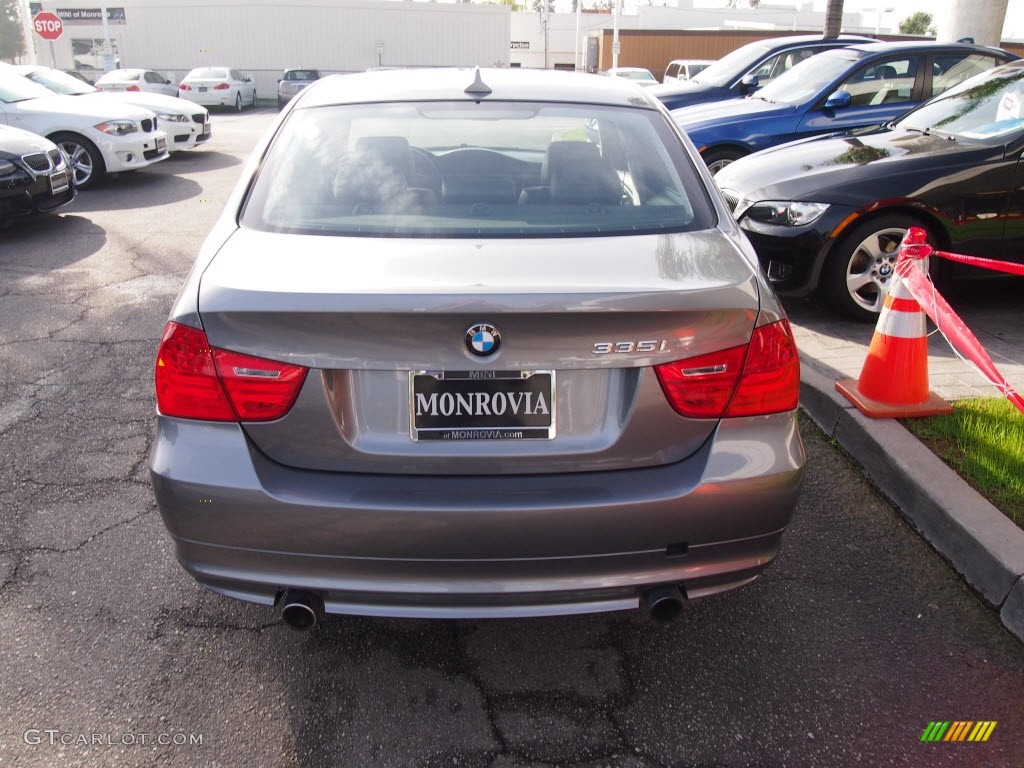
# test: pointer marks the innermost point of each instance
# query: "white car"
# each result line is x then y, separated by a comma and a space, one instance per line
136, 81
638, 75
98, 136
684, 69
187, 125
218, 87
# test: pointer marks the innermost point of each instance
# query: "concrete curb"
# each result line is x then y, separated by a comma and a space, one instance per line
980, 542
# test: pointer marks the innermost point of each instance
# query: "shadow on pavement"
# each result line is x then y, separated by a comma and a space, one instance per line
137, 189
194, 161
48, 242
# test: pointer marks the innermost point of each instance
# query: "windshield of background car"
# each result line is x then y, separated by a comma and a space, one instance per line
732, 65
17, 88
988, 106
60, 82
488, 169
305, 75
632, 74
808, 78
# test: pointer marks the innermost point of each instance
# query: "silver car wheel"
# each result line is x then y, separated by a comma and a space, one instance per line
718, 165
83, 159
872, 266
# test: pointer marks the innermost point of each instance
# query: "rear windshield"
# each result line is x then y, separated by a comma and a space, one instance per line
301, 74
465, 169
121, 76
211, 72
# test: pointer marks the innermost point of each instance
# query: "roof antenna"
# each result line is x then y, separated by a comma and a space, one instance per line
478, 87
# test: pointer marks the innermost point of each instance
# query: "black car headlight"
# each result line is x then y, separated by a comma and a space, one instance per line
785, 212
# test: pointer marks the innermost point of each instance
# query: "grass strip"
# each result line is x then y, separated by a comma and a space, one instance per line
983, 442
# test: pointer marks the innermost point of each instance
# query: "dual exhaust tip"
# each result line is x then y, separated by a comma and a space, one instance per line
302, 610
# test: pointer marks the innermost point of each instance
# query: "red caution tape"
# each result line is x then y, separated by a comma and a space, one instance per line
976, 261
948, 322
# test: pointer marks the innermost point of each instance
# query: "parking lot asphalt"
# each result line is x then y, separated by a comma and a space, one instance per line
855, 639
977, 539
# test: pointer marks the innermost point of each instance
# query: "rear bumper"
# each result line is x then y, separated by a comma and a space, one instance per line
470, 546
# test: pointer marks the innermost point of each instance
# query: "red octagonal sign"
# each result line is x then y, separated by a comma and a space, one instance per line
47, 25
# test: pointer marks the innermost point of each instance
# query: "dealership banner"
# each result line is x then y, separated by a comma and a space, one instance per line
83, 15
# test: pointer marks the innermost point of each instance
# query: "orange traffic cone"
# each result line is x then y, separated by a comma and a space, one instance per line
893, 383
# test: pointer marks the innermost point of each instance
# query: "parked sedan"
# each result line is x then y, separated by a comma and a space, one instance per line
98, 137
187, 124
638, 75
838, 90
748, 68
293, 81
475, 343
137, 81
218, 87
829, 214
34, 175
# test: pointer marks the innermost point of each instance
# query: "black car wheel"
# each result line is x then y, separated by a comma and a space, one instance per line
84, 159
862, 266
280, 105
717, 159
238, 102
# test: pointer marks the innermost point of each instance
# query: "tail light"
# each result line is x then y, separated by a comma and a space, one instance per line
184, 87
195, 381
221, 87
759, 378
133, 88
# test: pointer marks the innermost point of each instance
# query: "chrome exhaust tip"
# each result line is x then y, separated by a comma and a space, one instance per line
302, 610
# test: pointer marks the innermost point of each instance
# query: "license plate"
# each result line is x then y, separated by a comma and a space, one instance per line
202, 89
59, 182
161, 144
482, 405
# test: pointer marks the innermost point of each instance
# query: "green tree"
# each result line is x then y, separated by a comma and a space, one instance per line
919, 23
12, 42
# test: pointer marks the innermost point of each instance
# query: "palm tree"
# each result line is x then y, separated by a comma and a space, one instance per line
833, 18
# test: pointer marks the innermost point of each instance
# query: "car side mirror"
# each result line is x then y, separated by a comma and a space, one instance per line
838, 100
748, 83
167, 82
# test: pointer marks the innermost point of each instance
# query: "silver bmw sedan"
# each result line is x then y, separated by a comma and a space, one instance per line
475, 343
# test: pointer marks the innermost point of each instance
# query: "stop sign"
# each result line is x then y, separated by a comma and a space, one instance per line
47, 25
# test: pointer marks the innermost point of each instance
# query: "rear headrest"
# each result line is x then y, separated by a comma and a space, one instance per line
576, 173
390, 150
886, 72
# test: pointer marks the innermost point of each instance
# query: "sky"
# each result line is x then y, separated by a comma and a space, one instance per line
1013, 28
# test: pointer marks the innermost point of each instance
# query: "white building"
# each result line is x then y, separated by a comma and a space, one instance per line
263, 37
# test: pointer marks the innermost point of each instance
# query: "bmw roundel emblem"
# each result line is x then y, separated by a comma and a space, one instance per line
483, 339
